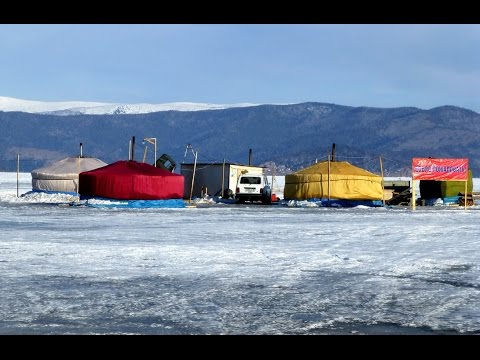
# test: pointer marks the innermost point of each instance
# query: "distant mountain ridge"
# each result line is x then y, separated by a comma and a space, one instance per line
287, 137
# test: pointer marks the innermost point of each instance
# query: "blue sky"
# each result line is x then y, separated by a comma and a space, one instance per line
357, 65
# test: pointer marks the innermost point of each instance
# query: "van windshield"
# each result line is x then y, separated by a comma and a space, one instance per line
252, 180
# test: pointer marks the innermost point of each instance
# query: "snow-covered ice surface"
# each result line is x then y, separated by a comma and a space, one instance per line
235, 269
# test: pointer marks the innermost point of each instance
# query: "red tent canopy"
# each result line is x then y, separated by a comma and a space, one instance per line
131, 180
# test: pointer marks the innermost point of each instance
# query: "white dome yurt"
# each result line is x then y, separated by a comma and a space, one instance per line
62, 176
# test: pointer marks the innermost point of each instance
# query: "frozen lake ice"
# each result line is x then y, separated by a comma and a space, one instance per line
235, 269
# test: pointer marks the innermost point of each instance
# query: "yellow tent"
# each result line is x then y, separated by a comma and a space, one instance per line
346, 182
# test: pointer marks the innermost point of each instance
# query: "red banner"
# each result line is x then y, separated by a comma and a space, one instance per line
439, 169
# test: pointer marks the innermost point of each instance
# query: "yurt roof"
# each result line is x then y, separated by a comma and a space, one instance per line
67, 168
131, 168
336, 167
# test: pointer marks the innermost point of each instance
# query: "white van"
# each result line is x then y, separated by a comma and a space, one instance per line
253, 187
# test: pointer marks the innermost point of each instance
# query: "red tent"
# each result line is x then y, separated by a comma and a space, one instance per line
131, 180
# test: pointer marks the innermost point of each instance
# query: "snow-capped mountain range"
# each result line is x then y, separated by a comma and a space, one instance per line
98, 108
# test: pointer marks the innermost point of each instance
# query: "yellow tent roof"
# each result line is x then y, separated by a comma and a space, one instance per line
344, 181
336, 167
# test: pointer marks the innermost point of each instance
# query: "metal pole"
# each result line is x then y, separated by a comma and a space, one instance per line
155, 145
18, 170
133, 148
223, 179
78, 172
193, 176
273, 175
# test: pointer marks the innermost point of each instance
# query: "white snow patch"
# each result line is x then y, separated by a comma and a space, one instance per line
98, 108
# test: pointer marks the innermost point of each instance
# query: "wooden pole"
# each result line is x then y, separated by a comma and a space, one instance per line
223, 178
383, 182
466, 181
18, 170
413, 199
328, 180
145, 153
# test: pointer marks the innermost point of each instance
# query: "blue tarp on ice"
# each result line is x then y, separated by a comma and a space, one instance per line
133, 204
338, 202
351, 203
450, 200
